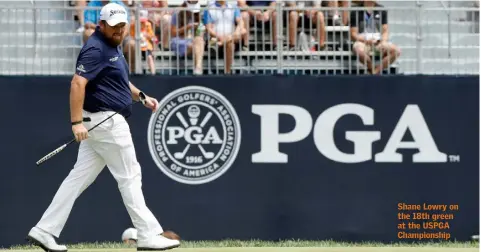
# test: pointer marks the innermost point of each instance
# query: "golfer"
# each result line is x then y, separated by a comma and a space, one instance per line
99, 88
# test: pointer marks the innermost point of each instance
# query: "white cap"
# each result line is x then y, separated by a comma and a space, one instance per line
113, 13
195, 8
129, 234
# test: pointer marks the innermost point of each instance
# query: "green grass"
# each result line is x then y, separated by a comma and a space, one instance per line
340, 249
282, 246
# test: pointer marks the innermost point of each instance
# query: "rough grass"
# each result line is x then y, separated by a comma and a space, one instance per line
283, 246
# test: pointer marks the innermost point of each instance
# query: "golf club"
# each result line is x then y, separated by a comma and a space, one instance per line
181, 155
59, 149
208, 155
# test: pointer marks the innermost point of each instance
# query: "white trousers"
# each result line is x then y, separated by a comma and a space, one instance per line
109, 144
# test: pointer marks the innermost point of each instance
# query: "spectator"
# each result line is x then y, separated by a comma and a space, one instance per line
153, 14
165, 18
314, 18
256, 17
334, 11
292, 22
147, 37
161, 19
185, 23
259, 18
370, 31
224, 24
80, 6
92, 16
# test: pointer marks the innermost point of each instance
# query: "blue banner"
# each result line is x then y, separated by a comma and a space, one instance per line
347, 158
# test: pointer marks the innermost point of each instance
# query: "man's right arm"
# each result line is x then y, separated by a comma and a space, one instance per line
89, 65
77, 95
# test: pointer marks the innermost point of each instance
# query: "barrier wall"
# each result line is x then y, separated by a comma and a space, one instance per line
270, 157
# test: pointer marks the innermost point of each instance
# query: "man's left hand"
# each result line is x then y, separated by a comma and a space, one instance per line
151, 103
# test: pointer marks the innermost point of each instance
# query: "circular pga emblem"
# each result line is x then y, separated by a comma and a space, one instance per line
194, 136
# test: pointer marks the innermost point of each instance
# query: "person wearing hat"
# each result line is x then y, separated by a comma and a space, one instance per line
99, 88
187, 33
92, 16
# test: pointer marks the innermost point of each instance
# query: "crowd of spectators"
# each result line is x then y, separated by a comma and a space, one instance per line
224, 27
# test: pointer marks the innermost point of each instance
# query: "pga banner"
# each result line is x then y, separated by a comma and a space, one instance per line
333, 156
348, 158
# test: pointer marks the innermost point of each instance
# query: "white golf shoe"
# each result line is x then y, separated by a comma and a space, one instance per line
157, 243
44, 240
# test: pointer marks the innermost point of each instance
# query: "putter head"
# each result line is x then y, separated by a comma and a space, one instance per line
142, 97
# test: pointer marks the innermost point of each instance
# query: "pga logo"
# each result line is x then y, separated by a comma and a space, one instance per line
323, 131
195, 135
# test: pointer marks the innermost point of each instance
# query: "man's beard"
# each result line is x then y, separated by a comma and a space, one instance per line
115, 41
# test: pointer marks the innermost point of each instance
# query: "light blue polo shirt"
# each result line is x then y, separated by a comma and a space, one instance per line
223, 17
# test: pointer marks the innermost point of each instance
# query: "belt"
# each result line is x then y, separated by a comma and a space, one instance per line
87, 119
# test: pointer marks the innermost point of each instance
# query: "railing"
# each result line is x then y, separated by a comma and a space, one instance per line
448, 15
429, 43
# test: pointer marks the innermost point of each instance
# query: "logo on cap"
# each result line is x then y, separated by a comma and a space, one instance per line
113, 12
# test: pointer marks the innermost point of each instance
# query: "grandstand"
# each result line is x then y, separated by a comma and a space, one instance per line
39, 37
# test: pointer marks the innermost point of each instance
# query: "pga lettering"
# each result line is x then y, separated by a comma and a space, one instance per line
193, 135
323, 131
